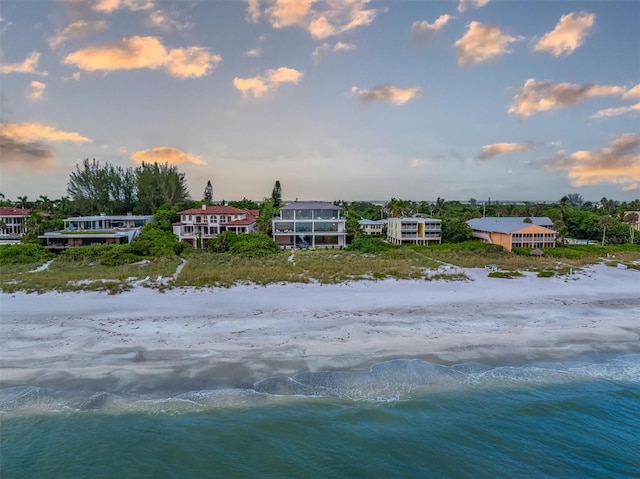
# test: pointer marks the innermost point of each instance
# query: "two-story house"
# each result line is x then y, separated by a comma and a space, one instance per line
12, 224
310, 224
417, 229
372, 227
515, 232
197, 225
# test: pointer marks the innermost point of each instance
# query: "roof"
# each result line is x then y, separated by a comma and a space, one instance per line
110, 217
416, 219
249, 220
507, 225
214, 210
11, 211
311, 205
372, 222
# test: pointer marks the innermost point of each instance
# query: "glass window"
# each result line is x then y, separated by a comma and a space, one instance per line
283, 226
286, 214
326, 226
303, 227
304, 214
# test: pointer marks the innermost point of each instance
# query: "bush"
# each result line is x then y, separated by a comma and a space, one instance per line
253, 245
22, 254
222, 242
367, 244
106, 254
545, 274
156, 242
505, 274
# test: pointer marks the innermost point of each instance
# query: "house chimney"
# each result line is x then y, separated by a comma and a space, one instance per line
204, 207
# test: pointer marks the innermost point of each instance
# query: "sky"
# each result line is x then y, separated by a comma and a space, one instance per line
338, 99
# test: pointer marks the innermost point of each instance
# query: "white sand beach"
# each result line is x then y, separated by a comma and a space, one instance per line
210, 338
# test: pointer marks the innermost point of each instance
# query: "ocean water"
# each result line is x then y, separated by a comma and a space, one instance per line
403, 419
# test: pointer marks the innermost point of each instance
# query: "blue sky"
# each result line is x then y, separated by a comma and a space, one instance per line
338, 99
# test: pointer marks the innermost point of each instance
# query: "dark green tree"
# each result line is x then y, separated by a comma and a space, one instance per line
159, 184
207, 196
276, 195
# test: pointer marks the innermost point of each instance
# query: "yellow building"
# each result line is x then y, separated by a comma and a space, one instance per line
514, 232
415, 230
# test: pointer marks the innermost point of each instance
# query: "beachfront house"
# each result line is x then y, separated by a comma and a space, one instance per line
197, 225
372, 227
418, 229
515, 232
314, 224
12, 224
95, 230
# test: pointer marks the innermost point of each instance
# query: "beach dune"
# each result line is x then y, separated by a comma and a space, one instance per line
190, 339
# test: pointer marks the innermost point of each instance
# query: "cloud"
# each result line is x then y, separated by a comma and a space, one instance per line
618, 163
254, 52
535, 97
29, 65
167, 21
422, 32
36, 91
631, 187
109, 6
4, 24
464, 5
482, 42
321, 19
145, 52
24, 144
253, 10
324, 50
495, 149
609, 112
270, 80
79, 29
632, 93
166, 154
73, 77
390, 93
569, 34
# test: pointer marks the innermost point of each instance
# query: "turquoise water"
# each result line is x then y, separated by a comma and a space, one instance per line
573, 419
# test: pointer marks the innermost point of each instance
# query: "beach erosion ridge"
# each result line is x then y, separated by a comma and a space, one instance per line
152, 343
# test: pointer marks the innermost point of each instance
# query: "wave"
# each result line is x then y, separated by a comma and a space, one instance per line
394, 380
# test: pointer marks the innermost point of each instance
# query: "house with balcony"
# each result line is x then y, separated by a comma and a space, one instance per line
95, 230
515, 232
12, 224
371, 227
313, 224
418, 229
197, 225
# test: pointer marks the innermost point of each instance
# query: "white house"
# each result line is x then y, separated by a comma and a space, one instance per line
199, 224
95, 230
13, 224
418, 229
313, 224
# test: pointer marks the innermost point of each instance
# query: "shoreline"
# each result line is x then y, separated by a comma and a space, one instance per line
187, 339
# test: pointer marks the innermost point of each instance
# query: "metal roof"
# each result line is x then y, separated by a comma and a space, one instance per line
507, 225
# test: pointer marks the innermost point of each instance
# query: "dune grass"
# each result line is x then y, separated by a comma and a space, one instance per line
81, 276
321, 266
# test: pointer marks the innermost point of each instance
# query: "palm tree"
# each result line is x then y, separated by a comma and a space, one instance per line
398, 208
631, 218
23, 202
438, 207
605, 222
562, 232
45, 203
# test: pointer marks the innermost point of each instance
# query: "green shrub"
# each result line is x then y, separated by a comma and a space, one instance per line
367, 244
545, 274
156, 242
505, 274
253, 245
118, 255
22, 254
222, 243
